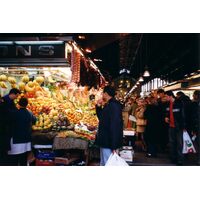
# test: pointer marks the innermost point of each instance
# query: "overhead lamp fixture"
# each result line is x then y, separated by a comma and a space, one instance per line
97, 60
81, 37
138, 83
88, 50
146, 73
141, 79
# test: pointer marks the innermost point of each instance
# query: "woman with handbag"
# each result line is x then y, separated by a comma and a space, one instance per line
140, 121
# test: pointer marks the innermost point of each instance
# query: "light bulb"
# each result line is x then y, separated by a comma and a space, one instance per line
141, 79
146, 73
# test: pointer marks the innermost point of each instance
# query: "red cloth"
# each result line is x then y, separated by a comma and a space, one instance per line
171, 115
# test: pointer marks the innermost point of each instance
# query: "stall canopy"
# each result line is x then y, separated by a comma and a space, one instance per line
33, 53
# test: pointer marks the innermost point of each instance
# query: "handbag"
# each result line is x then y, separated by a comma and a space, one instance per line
141, 122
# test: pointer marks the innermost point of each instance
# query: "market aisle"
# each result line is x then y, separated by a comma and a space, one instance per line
140, 159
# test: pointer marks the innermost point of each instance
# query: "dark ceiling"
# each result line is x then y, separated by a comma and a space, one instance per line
166, 55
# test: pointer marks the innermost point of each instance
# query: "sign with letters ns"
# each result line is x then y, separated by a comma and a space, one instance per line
32, 49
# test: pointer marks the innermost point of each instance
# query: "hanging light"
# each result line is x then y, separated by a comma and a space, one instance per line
141, 79
146, 73
138, 83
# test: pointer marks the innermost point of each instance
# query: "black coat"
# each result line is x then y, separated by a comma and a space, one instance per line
195, 116
187, 106
110, 130
7, 108
22, 125
154, 119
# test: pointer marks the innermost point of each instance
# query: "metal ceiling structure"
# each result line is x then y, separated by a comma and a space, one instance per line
167, 55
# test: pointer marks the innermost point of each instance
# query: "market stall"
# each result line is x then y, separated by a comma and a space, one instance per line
48, 74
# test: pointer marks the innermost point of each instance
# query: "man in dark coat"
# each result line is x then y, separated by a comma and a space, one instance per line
163, 136
175, 117
7, 107
153, 128
20, 142
195, 116
187, 108
110, 130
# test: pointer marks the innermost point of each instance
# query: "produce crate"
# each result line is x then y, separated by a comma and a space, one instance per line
67, 158
45, 155
127, 153
40, 162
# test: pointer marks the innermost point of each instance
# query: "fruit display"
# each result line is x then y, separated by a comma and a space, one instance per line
43, 123
61, 122
64, 134
74, 116
90, 119
68, 111
83, 132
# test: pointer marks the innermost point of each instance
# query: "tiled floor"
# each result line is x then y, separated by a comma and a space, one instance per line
140, 159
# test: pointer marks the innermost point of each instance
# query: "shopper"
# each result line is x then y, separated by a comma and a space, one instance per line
110, 131
140, 122
176, 120
7, 107
187, 108
163, 136
152, 131
21, 137
160, 94
133, 109
195, 126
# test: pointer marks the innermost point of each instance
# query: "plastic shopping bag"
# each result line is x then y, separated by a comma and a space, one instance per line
132, 118
188, 146
116, 160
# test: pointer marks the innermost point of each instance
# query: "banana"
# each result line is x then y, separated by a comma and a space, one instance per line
25, 79
36, 83
31, 84
14, 85
39, 79
3, 77
51, 80
21, 86
11, 80
29, 89
3, 85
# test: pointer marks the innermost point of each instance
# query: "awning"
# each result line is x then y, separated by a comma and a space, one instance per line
60, 62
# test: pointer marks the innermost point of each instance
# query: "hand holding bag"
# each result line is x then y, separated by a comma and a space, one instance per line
188, 146
115, 160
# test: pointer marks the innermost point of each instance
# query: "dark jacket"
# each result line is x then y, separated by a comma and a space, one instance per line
195, 116
188, 112
22, 129
179, 114
110, 130
154, 117
7, 108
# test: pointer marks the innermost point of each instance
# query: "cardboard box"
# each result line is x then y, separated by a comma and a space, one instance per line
127, 154
129, 132
39, 162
